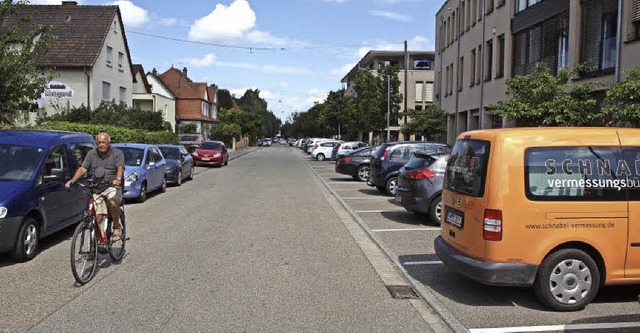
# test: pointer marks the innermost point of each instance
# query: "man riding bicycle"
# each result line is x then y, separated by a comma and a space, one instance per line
105, 163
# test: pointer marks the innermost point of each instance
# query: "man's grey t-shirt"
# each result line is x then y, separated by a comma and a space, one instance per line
104, 166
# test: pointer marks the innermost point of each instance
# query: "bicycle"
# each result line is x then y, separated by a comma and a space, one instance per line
89, 238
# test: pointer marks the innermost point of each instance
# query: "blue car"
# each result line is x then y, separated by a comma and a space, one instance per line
144, 170
34, 203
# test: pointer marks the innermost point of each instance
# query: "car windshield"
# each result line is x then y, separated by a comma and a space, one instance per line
211, 146
132, 156
19, 162
170, 153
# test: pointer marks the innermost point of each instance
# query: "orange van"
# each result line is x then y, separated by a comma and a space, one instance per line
548, 208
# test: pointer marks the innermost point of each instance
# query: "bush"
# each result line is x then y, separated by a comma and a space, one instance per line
118, 134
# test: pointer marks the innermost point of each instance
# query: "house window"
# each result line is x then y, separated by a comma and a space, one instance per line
472, 69
523, 4
123, 95
489, 6
500, 55
120, 61
599, 26
451, 80
488, 65
479, 9
636, 19
463, 13
109, 55
106, 87
428, 92
547, 42
419, 89
422, 64
479, 65
446, 83
461, 73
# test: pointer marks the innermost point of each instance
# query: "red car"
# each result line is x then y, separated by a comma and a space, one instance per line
211, 153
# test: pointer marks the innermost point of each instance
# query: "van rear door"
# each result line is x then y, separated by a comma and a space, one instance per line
464, 197
631, 155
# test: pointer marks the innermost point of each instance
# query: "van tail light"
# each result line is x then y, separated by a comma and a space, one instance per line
384, 153
421, 174
345, 160
492, 228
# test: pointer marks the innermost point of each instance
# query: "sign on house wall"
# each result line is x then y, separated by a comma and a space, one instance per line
57, 89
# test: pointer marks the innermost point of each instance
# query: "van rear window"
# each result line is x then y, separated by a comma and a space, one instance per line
579, 173
467, 167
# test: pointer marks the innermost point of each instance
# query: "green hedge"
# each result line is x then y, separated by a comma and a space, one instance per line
118, 134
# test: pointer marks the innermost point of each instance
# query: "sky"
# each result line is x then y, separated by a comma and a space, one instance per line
294, 51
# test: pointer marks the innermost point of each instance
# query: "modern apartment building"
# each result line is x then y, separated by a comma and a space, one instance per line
416, 85
481, 43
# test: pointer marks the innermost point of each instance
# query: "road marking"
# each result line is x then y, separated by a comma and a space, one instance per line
380, 211
416, 263
549, 328
408, 229
366, 198
348, 182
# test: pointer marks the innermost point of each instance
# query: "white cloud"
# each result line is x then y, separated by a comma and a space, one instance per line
167, 21
132, 15
206, 61
224, 23
342, 71
391, 16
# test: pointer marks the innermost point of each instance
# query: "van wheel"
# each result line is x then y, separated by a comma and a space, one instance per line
435, 210
28, 240
567, 280
391, 186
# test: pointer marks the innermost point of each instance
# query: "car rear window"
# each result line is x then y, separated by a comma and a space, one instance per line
466, 170
580, 173
188, 138
170, 153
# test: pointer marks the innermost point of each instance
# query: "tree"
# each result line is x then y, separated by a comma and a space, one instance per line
225, 100
431, 123
544, 99
22, 79
623, 100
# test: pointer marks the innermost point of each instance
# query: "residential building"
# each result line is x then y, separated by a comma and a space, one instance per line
90, 57
149, 93
195, 102
416, 85
482, 43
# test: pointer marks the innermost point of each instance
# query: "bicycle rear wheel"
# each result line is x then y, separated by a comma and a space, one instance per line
116, 250
84, 253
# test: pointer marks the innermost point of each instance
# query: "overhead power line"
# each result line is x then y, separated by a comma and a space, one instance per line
256, 48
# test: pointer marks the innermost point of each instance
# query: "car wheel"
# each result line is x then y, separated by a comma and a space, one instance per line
320, 157
391, 186
179, 181
567, 280
435, 210
226, 162
163, 187
28, 240
143, 193
362, 173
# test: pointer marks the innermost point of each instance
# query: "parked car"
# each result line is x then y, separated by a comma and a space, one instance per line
211, 153
390, 157
144, 170
191, 141
33, 200
322, 150
356, 163
179, 164
345, 148
419, 186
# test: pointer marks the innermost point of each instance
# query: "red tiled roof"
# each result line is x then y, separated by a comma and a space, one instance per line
80, 31
181, 86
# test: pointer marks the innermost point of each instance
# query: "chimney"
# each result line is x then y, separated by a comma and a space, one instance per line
154, 71
69, 3
184, 71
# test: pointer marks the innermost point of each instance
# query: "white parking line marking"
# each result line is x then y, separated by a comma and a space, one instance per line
347, 183
416, 263
380, 211
367, 198
408, 229
598, 326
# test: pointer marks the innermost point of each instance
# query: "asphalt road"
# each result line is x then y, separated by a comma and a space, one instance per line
260, 245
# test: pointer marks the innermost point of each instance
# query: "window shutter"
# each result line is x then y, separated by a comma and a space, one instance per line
636, 10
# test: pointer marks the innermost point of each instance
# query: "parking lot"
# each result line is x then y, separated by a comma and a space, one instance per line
408, 240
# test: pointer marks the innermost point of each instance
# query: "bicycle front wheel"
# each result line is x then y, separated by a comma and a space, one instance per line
84, 253
116, 250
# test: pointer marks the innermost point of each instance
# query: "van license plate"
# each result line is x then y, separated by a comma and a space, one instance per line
454, 217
